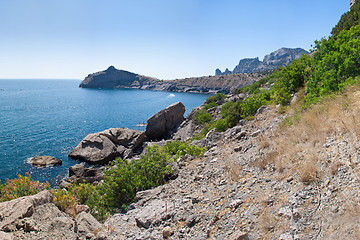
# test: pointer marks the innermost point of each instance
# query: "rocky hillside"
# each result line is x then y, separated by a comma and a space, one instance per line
271, 61
114, 78
261, 179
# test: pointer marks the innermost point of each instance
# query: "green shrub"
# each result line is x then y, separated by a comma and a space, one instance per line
210, 105
231, 112
221, 125
202, 116
335, 60
216, 98
21, 186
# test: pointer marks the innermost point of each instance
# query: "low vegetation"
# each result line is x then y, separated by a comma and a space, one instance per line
21, 186
121, 183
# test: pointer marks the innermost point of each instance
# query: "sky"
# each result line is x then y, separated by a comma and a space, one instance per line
166, 39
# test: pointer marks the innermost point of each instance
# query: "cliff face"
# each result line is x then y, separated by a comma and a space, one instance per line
271, 61
114, 78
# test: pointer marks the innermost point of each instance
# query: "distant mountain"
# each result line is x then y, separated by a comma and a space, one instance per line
271, 61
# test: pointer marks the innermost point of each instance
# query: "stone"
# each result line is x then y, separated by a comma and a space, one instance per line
102, 236
20, 208
43, 161
167, 232
239, 235
87, 223
63, 223
160, 125
6, 236
105, 146
212, 138
236, 203
192, 220
82, 208
80, 174
153, 213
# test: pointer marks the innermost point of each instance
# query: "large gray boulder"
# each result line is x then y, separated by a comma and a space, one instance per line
86, 224
105, 146
165, 122
12, 211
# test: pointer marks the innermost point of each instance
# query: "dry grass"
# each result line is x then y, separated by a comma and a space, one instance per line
234, 169
297, 146
308, 172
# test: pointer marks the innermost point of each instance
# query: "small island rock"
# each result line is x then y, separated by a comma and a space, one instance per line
43, 161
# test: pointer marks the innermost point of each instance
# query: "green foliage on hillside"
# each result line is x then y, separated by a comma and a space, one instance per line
335, 60
124, 179
333, 64
348, 19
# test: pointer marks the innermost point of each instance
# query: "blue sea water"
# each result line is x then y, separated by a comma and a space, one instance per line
50, 117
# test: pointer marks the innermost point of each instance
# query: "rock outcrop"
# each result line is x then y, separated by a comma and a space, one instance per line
272, 61
81, 174
36, 217
165, 122
43, 161
105, 146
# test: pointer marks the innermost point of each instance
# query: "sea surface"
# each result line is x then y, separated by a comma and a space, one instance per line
50, 117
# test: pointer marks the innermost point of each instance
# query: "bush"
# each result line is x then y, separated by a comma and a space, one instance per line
216, 98
221, 125
124, 179
21, 186
202, 116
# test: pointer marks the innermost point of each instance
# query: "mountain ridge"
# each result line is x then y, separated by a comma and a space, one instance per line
280, 57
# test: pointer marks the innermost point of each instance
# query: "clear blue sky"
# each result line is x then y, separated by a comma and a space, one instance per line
166, 39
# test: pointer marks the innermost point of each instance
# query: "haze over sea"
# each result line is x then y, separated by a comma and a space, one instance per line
50, 117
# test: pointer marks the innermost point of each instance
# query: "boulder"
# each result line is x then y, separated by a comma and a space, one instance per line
154, 213
43, 161
87, 223
20, 208
165, 122
81, 174
105, 146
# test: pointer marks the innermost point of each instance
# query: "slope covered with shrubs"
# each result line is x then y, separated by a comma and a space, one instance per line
121, 182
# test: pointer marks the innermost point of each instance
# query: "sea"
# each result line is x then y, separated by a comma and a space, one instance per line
50, 117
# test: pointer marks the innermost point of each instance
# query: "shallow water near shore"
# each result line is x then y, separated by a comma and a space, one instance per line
50, 117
